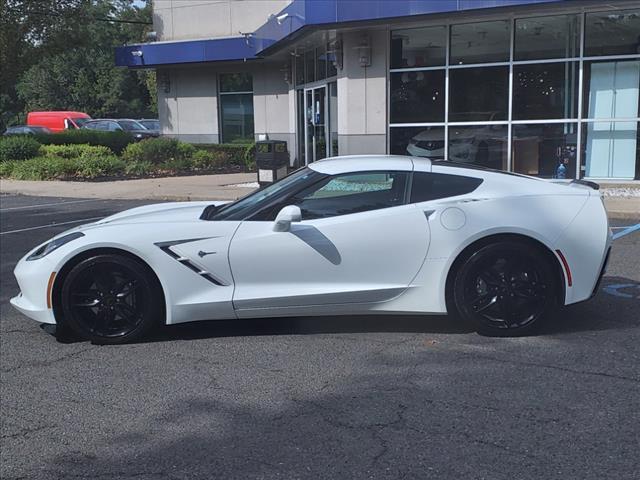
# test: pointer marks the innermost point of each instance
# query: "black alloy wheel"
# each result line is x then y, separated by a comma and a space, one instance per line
505, 289
111, 299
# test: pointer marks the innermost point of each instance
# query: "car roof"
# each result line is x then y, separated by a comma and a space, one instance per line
363, 163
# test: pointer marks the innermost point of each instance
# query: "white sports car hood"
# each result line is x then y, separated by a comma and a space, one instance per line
159, 212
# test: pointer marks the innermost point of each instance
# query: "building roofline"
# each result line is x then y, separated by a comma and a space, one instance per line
290, 22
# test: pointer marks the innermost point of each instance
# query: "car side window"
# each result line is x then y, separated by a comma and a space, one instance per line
351, 193
432, 186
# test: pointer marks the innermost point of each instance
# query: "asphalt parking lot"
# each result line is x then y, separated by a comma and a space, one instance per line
384, 397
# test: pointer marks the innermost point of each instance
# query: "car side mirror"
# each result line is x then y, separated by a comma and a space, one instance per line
289, 214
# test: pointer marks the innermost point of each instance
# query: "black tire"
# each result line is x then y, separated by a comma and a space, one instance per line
111, 299
505, 289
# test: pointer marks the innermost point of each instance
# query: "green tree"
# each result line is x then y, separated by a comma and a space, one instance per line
59, 54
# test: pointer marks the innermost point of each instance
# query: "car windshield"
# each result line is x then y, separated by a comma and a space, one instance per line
130, 125
256, 201
80, 121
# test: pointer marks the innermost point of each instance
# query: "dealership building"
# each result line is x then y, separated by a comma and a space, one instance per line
542, 87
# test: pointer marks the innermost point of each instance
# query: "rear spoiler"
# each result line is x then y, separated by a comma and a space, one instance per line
586, 183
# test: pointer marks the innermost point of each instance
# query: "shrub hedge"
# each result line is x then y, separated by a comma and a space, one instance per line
114, 141
53, 168
74, 151
238, 154
158, 150
87, 161
18, 147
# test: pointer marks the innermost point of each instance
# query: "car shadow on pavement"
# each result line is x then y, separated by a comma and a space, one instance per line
611, 308
614, 307
311, 326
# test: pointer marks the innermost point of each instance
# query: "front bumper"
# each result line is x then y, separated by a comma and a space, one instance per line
33, 279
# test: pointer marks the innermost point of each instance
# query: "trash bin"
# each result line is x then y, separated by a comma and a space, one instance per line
272, 160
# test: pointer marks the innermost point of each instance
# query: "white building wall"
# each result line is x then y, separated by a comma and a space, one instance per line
362, 95
271, 103
189, 109
189, 19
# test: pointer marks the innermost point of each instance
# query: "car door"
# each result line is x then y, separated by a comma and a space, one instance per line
357, 242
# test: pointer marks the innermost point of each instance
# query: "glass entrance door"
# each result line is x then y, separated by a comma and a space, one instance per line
316, 126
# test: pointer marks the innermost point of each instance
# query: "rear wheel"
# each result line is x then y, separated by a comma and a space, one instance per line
505, 289
111, 299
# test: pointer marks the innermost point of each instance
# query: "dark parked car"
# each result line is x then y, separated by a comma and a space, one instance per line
116, 125
26, 130
152, 124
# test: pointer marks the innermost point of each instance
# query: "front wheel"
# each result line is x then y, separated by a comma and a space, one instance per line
505, 289
111, 299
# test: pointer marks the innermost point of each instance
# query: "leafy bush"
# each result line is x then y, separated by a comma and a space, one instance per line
114, 141
52, 167
176, 164
74, 151
18, 147
158, 151
6, 168
205, 159
43, 168
133, 153
138, 168
235, 153
185, 150
89, 166
249, 156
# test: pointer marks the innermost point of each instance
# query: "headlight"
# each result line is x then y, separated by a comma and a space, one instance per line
49, 247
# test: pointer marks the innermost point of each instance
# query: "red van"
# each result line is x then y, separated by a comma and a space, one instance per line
57, 121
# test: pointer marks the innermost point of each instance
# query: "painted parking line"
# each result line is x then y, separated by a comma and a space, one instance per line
49, 225
626, 231
25, 207
623, 290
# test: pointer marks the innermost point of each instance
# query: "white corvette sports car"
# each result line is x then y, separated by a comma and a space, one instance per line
347, 235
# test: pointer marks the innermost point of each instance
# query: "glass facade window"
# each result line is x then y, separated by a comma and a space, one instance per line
547, 37
610, 150
309, 67
545, 90
321, 63
484, 145
332, 71
545, 149
417, 96
333, 118
480, 42
299, 64
418, 141
612, 33
316, 103
236, 107
236, 82
611, 89
478, 94
418, 47
522, 93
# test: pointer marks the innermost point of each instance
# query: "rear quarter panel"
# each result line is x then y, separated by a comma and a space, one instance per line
486, 211
584, 244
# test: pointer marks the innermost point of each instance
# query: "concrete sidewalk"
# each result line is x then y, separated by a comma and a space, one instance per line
201, 187
215, 187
